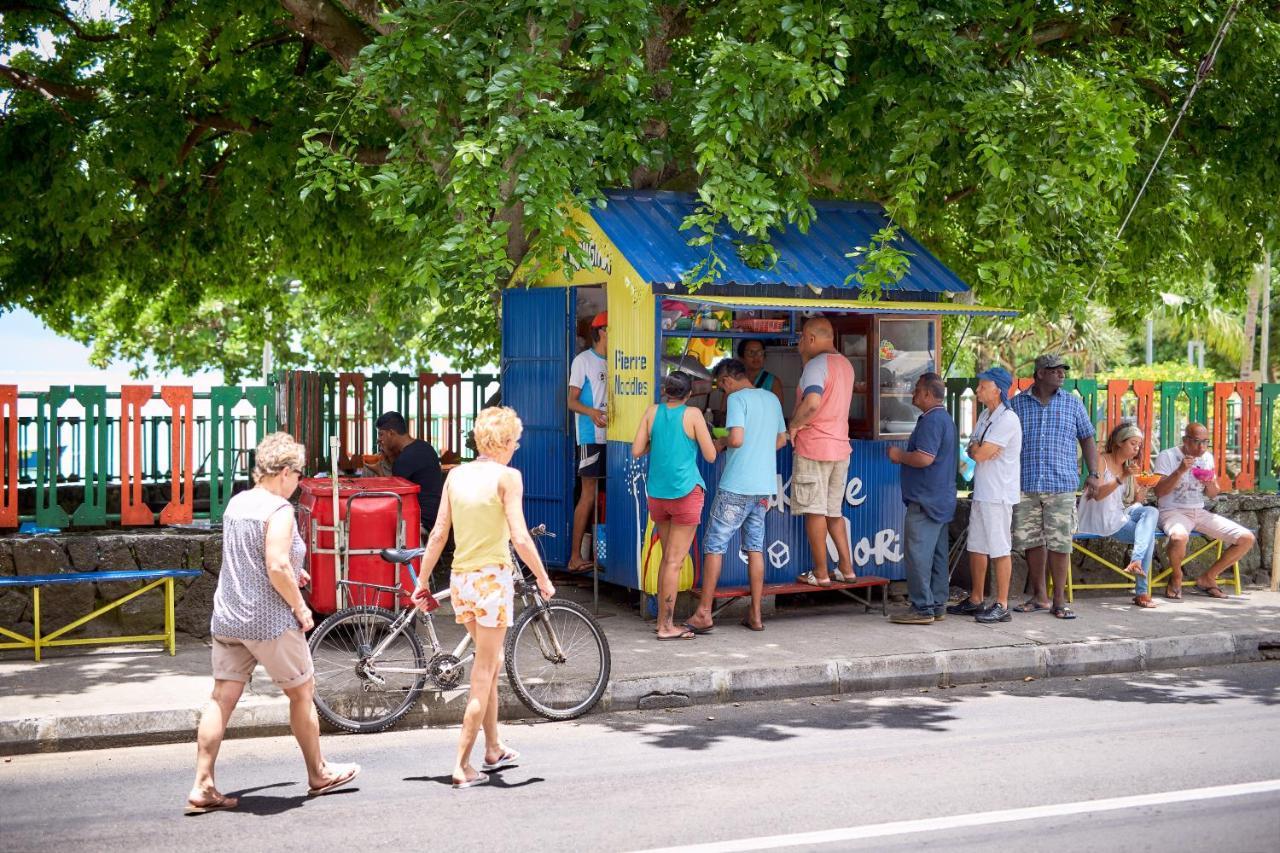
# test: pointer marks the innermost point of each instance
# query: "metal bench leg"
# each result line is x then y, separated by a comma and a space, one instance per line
35, 599
170, 634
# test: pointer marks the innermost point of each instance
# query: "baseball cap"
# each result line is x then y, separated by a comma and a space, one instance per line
1051, 360
600, 320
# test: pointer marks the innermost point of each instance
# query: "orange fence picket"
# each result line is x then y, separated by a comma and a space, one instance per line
9, 457
1222, 393
133, 507
351, 423
181, 506
1145, 392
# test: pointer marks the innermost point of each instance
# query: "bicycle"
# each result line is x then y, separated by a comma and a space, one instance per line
371, 666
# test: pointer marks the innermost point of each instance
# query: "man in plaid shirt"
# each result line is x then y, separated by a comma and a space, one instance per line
1053, 422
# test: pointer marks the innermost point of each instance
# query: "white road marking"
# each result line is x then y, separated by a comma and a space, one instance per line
904, 827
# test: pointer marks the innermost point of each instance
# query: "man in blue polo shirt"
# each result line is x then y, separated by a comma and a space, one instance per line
1053, 422
929, 491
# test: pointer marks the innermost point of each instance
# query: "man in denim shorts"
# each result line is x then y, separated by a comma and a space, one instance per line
1053, 422
757, 430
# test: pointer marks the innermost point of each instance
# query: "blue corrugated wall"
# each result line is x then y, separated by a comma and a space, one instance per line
873, 510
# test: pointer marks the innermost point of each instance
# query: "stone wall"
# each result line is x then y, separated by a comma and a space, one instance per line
1258, 512
105, 551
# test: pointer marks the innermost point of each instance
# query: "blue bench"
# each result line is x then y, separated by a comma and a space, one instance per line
1158, 580
154, 577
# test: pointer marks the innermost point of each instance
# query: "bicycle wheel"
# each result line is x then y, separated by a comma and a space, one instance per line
554, 686
354, 692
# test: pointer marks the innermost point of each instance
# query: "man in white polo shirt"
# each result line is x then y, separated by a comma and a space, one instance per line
1180, 497
996, 447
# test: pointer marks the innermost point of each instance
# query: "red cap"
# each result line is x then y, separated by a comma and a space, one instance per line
601, 320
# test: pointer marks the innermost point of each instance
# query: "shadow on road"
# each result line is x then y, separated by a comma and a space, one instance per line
932, 710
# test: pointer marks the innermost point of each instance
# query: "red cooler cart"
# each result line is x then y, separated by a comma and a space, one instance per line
372, 513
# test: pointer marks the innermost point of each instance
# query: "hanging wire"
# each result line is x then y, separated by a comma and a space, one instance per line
946, 374
1202, 73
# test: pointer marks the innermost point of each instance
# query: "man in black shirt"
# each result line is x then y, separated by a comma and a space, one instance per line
413, 459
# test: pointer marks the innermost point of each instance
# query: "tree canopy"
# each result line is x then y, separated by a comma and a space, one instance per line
355, 180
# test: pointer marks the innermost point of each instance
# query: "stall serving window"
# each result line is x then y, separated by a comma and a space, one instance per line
887, 353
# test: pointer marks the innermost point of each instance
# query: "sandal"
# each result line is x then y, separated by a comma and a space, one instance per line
1143, 601
746, 623
1030, 606
811, 579
699, 631
1173, 594
480, 779
1214, 591
1063, 612
843, 578
508, 758
346, 772
686, 635
218, 803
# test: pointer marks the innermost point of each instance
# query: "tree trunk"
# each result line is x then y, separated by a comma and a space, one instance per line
1251, 324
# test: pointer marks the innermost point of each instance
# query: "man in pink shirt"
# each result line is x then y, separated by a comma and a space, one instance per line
819, 432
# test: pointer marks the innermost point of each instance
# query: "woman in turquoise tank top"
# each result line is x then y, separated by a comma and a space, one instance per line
673, 434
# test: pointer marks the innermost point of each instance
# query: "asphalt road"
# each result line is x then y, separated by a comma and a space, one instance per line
1187, 760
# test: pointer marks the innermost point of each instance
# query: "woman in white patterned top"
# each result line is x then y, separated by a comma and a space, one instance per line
259, 617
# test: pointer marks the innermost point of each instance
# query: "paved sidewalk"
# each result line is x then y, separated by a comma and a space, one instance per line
126, 694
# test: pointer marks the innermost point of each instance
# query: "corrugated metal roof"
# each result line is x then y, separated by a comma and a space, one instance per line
645, 227
858, 306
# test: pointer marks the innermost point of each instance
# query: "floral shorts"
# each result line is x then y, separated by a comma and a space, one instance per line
485, 596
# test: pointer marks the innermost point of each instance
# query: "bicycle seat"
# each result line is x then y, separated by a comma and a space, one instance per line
402, 555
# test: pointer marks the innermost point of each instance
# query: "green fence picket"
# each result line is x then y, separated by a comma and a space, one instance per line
222, 448
96, 464
48, 512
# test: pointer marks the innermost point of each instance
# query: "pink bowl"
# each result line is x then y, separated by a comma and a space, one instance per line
1204, 475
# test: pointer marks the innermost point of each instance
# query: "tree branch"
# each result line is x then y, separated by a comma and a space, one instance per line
63, 16
328, 26
958, 195
368, 11
220, 122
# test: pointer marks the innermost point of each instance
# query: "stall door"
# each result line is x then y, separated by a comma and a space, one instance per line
536, 340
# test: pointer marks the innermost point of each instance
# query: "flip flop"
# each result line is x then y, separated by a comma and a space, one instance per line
220, 804
1214, 591
842, 578
1030, 606
509, 757
348, 772
698, 631
481, 779
746, 623
812, 580
1063, 612
1173, 594
687, 635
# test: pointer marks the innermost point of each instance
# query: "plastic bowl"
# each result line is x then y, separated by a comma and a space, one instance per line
371, 458
719, 432
1147, 480
1204, 475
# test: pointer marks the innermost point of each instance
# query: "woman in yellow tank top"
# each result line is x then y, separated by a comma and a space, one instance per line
481, 502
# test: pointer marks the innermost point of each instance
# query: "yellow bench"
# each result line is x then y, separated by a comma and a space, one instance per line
156, 577
1214, 545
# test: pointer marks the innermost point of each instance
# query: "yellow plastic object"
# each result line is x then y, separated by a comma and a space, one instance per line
37, 642
652, 561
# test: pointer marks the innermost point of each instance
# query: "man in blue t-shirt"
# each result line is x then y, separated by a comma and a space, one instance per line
929, 491
757, 430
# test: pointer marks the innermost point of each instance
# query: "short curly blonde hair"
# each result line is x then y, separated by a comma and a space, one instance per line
497, 427
276, 453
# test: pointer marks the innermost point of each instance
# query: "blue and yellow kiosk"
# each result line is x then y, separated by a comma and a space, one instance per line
639, 258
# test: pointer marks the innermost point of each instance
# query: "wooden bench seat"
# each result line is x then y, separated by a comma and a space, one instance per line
154, 577
730, 594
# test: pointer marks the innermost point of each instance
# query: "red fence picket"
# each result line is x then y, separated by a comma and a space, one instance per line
9, 456
133, 506
181, 506
351, 424
1145, 392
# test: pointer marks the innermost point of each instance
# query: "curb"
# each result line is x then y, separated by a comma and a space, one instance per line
264, 717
